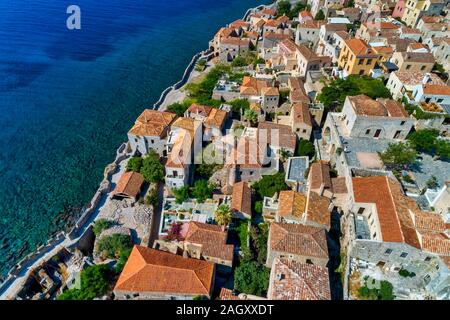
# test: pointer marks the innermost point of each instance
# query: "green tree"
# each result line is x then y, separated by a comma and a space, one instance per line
337, 90
443, 149
305, 148
112, 246
181, 194
398, 155
122, 260
223, 215
283, 8
152, 170
239, 61
239, 104
424, 140
252, 278
152, 199
202, 190
258, 207
100, 225
178, 108
319, 15
432, 183
299, 6
269, 185
94, 283
251, 116
260, 235
134, 164
351, 4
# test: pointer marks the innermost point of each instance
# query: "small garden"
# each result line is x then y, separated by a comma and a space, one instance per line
376, 290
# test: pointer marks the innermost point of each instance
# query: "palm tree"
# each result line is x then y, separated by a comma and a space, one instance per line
223, 215
251, 116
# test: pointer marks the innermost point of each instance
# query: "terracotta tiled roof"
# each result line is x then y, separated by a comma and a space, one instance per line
424, 57
415, 77
273, 23
129, 184
242, 198
298, 239
308, 24
148, 270
239, 24
381, 25
292, 204
200, 109
394, 108
234, 41
283, 19
152, 123
430, 19
297, 93
270, 91
212, 238
248, 153
436, 89
286, 139
335, 27
292, 280
307, 53
318, 210
301, 113
360, 48
252, 86
320, 175
365, 106
216, 118
305, 13
227, 294
376, 190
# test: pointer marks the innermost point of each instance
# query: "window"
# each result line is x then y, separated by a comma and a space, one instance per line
403, 255
374, 235
397, 134
361, 210
427, 259
402, 123
423, 68
388, 251
368, 131
361, 72
360, 61
369, 61
408, 66
377, 133
308, 261
440, 100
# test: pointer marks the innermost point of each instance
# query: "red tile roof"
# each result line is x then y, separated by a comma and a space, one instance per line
320, 175
152, 271
212, 238
292, 204
278, 135
298, 239
129, 184
301, 113
292, 280
242, 198
152, 123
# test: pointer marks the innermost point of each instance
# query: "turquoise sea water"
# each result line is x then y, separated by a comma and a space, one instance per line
67, 98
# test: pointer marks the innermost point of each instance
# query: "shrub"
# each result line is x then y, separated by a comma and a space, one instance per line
152, 170
181, 194
398, 155
112, 246
134, 164
252, 278
100, 225
122, 260
223, 215
202, 190
269, 185
152, 199
305, 148
94, 283
174, 232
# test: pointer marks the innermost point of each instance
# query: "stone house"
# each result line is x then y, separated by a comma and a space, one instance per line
148, 275
260, 91
432, 94
382, 118
241, 203
404, 82
150, 132
209, 242
231, 47
307, 61
413, 61
308, 33
297, 242
440, 48
301, 120
292, 280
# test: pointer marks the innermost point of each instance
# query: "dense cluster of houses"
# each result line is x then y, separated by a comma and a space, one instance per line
383, 225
